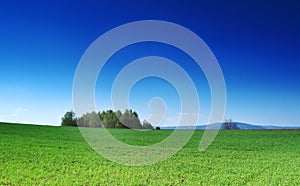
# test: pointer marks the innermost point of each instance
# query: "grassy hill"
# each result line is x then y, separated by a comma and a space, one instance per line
40, 155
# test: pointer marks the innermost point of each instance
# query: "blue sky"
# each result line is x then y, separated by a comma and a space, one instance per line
257, 45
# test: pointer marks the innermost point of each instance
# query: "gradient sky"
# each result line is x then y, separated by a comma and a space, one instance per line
257, 44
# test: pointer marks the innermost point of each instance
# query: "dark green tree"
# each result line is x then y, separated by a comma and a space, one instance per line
69, 119
119, 124
109, 119
147, 125
130, 120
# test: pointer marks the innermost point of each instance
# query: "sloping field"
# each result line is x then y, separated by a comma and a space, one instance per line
42, 155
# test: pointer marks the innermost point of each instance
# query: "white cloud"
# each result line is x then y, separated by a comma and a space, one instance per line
20, 109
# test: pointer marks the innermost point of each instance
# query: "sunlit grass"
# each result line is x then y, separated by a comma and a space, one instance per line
38, 155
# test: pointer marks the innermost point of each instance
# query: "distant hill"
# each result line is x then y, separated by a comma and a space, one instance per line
241, 126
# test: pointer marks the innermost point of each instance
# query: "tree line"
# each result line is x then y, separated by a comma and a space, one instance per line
107, 119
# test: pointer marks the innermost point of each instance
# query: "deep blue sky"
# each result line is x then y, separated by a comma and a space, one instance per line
257, 44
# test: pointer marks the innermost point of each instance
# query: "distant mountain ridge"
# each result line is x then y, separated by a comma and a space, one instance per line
239, 125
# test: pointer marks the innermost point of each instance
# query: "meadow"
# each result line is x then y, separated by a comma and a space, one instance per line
44, 155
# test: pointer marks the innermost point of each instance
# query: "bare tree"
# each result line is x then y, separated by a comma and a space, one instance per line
229, 125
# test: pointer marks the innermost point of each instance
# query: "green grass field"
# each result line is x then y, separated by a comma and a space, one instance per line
42, 155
